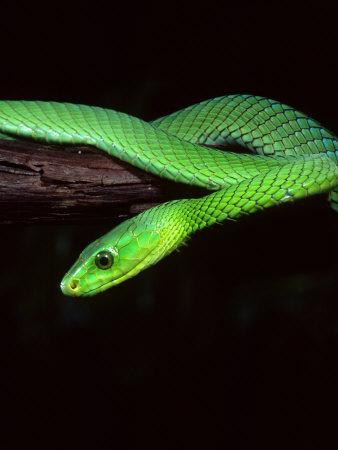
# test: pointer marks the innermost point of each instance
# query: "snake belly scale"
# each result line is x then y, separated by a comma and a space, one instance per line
290, 156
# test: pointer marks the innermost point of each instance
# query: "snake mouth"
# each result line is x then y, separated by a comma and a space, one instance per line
105, 286
102, 287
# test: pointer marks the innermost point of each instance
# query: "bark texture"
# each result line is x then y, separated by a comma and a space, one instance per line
45, 183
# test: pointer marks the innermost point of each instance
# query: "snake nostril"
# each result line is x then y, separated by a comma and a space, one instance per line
73, 284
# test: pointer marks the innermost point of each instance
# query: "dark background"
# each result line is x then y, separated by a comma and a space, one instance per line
231, 343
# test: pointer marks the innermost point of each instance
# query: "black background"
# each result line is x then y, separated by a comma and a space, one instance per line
231, 343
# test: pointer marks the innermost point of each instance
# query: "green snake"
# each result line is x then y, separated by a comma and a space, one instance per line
290, 156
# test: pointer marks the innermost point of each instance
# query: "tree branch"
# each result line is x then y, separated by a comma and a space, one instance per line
44, 183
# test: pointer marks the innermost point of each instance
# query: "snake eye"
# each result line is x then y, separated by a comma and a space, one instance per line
104, 260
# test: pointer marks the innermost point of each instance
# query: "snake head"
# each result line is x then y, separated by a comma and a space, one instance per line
126, 250
113, 258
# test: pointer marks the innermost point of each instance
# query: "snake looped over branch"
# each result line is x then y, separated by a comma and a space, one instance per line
292, 157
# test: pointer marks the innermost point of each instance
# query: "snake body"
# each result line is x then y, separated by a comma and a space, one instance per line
292, 156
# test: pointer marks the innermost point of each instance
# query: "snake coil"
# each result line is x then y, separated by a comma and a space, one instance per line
292, 156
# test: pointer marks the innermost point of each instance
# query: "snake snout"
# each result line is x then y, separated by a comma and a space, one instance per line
70, 287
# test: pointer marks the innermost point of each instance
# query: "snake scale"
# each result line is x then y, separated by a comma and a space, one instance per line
290, 156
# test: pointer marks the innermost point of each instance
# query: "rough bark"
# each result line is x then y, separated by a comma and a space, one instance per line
45, 183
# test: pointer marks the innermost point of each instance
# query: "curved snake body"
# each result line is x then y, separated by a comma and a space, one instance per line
293, 157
